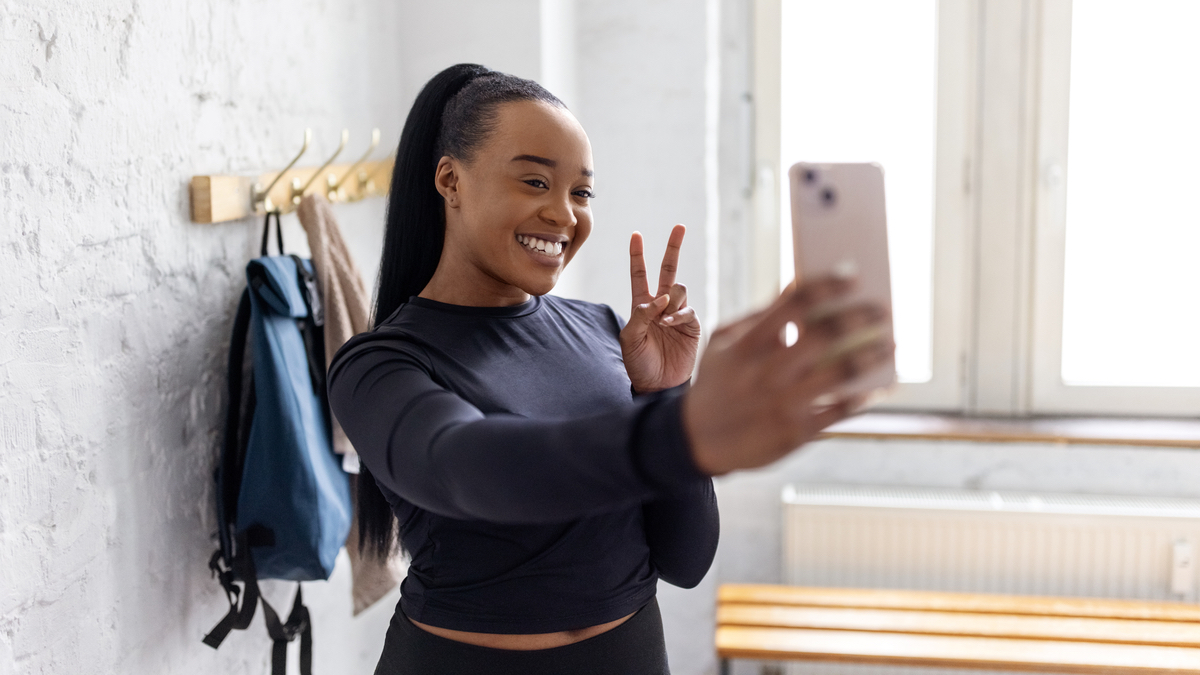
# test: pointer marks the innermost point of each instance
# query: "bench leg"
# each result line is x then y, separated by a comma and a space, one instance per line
723, 668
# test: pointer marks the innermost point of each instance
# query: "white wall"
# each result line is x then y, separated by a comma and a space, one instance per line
641, 87
116, 309
503, 36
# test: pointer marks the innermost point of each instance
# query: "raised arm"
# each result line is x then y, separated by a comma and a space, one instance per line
443, 454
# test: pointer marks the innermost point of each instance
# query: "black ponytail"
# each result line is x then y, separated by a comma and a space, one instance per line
452, 116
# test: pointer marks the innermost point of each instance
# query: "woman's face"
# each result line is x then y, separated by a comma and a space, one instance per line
520, 209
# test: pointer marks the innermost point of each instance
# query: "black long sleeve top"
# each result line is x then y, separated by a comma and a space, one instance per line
534, 492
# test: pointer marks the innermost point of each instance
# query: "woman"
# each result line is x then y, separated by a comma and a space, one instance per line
545, 463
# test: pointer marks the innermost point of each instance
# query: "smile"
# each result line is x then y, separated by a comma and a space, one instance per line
551, 249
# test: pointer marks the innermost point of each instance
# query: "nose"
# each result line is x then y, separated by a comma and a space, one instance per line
559, 212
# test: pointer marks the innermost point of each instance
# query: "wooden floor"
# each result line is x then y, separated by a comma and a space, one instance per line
916, 628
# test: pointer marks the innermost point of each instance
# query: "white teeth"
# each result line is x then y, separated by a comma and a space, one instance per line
550, 248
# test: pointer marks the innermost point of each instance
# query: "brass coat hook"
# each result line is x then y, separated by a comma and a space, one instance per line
336, 189
217, 198
261, 198
366, 181
297, 190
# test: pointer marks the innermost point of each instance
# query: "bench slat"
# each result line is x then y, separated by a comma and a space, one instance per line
953, 651
957, 602
961, 623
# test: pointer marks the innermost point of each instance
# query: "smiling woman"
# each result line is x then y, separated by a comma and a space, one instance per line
547, 463
537, 212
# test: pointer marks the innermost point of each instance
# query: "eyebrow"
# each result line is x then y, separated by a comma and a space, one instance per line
547, 162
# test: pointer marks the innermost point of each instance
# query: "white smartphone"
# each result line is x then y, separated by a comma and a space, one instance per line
839, 226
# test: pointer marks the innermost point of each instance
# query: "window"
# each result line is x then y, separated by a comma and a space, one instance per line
1040, 162
1119, 230
887, 81
886, 113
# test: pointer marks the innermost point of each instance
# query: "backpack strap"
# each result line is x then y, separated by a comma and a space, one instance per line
311, 327
298, 624
267, 232
229, 479
240, 566
229, 472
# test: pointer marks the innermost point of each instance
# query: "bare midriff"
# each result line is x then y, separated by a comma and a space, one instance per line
522, 642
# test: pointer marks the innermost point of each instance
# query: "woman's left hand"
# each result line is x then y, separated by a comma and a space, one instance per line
660, 341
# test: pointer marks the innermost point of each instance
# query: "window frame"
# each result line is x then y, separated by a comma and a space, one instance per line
1049, 393
955, 120
999, 216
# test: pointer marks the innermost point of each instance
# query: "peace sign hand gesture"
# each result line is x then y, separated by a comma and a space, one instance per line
660, 341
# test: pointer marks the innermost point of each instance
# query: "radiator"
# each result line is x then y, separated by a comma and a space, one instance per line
987, 542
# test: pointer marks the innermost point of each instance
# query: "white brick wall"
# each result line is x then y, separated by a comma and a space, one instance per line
115, 309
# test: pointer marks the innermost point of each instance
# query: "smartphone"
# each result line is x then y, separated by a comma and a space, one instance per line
839, 226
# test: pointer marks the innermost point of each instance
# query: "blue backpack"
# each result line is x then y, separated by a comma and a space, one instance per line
283, 500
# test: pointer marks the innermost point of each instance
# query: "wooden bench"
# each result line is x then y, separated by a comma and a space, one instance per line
959, 630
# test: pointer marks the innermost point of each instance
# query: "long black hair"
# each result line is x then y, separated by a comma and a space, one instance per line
452, 116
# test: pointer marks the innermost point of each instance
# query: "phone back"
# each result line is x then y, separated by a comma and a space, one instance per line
839, 224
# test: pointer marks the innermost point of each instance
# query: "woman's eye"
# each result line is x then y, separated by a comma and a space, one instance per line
586, 194
537, 183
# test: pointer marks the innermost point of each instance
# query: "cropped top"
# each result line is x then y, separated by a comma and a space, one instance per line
535, 492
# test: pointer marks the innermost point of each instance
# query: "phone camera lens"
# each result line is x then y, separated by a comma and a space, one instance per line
828, 196
810, 176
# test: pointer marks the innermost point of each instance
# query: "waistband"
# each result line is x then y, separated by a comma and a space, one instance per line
636, 647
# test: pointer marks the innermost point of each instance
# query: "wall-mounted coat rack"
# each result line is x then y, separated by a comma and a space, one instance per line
219, 198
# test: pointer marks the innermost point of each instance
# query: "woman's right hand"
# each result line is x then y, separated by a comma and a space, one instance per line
755, 399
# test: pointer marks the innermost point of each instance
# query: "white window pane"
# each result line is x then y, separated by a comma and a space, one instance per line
1131, 305
859, 85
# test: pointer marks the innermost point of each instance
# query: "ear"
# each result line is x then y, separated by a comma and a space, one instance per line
445, 178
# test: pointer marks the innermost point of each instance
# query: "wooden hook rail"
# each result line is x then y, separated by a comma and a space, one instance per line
216, 199
220, 198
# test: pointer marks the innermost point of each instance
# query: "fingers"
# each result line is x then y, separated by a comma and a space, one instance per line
678, 295
792, 307
825, 341
826, 378
677, 314
639, 283
835, 413
642, 316
684, 321
670, 261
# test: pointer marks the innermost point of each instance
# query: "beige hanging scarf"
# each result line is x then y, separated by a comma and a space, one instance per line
346, 303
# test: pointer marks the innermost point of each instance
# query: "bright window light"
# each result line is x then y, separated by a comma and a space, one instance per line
1131, 304
859, 85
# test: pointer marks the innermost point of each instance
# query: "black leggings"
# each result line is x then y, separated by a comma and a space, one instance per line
635, 647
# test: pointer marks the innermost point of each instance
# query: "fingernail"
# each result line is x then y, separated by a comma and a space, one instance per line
669, 319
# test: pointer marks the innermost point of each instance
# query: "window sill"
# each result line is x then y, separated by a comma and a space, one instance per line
1170, 433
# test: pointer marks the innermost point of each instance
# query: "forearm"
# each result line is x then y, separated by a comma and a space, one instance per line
682, 531
442, 454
